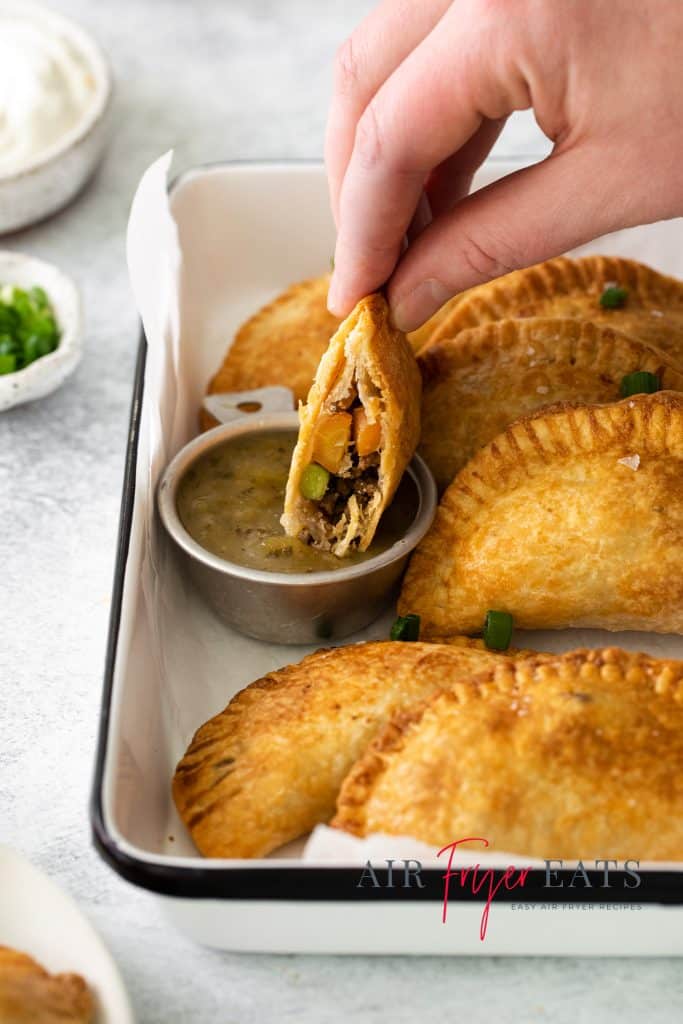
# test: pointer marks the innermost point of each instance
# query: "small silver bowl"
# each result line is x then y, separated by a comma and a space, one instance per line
290, 608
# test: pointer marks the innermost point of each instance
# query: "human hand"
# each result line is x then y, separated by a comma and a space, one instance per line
421, 93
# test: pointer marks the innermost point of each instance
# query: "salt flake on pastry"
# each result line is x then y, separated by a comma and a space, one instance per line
545, 524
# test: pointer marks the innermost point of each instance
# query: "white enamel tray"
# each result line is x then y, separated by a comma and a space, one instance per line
246, 231
37, 918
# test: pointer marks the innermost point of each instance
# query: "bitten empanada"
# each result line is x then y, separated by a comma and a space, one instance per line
571, 517
268, 768
577, 756
563, 287
30, 995
476, 384
361, 424
280, 344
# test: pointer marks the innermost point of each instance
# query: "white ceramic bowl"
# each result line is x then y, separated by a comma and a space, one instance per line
55, 177
47, 373
37, 918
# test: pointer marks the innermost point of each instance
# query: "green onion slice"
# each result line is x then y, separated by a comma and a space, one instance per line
613, 297
8, 363
639, 383
314, 481
498, 628
28, 328
406, 627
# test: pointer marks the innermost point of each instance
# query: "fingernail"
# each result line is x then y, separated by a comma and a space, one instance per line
334, 294
412, 309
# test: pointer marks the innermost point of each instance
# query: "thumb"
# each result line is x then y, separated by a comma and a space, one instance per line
529, 216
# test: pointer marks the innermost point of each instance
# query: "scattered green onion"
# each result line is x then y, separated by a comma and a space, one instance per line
498, 630
331, 262
314, 481
639, 383
613, 297
406, 627
28, 329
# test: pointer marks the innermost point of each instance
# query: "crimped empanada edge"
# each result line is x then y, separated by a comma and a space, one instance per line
365, 774
561, 275
473, 345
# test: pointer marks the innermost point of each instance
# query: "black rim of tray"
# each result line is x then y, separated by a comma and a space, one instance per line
276, 882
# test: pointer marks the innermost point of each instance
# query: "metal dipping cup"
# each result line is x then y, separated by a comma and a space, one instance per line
291, 608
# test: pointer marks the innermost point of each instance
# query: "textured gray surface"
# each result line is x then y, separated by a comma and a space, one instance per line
215, 79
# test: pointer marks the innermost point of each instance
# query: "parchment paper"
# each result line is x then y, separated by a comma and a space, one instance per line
227, 241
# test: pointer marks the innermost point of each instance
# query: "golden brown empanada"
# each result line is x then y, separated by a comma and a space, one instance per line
361, 422
476, 384
571, 517
280, 344
423, 335
563, 287
576, 756
284, 341
268, 768
30, 995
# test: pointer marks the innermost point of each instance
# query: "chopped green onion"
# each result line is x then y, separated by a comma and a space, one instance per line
28, 328
498, 630
331, 262
639, 383
314, 481
613, 297
8, 364
406, 627
39, 296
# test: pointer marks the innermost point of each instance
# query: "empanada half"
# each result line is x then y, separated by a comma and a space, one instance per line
563, 287
361, 421
280, 344
576, 756
476, 384
268, 768
31, 995
571, 517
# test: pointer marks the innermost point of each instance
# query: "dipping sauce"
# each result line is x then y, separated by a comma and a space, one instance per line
230, 501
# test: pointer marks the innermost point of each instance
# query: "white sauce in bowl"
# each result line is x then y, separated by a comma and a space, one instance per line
46, 88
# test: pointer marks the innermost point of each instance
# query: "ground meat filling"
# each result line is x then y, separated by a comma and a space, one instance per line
349, 491
360, 479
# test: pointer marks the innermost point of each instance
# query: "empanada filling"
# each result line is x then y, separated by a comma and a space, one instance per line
347, 445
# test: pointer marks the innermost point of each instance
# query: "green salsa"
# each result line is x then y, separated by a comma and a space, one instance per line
231, 499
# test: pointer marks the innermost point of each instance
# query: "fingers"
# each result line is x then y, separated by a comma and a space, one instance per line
451, 181
526, 217
426, 111
363, 63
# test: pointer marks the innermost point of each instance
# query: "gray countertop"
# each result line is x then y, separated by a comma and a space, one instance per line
214, 79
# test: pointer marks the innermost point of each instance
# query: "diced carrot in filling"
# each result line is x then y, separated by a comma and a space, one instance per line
331, 440
366, 435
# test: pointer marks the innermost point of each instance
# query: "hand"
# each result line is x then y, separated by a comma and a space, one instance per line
422, 90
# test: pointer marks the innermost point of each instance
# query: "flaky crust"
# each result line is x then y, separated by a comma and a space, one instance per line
476, 384
565, 287
576, 756
30, 995
368, 349
280, 344
548, 523
268, 768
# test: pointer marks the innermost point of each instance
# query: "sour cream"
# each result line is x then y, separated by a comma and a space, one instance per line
46, 88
